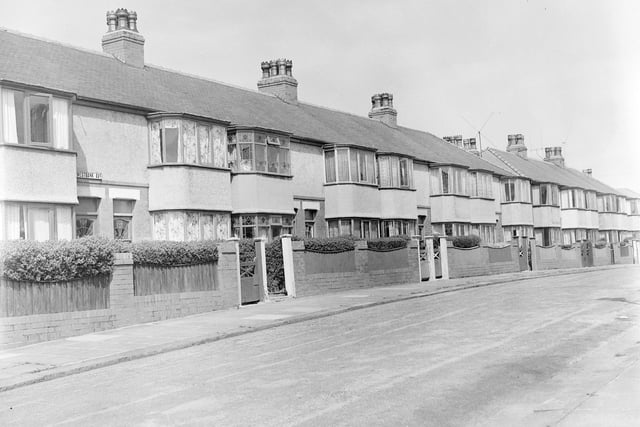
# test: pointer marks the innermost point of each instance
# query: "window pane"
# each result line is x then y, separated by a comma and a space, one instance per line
445, 182
353, 159
205, 145
261, 157
404, 173
84, 227
39, 115
39, 224
232, 156
343, 164
246, 157
87, 205
371, 171
330, 166
362, 166
395, 173
12, 116
123, 206
272, 152
383, 170
285, 165
61, 123
170, 143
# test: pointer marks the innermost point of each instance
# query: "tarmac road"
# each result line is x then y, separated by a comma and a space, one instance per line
551, 351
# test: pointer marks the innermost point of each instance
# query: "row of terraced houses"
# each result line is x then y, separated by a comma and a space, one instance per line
101, 143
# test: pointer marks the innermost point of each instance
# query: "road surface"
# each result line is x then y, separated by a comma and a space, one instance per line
553, 351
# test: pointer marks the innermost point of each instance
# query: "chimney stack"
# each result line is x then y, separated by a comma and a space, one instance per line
122, 39
554, 155
277, 79
515, 145
382, 109
587, 172
470, 146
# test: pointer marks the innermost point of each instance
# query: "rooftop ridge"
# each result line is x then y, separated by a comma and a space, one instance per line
505, 161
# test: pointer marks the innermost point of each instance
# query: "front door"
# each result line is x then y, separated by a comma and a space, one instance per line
586, 252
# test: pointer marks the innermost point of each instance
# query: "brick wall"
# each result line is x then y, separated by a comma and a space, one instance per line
471, 262
601, 256
550, 258
125, 308
364, 275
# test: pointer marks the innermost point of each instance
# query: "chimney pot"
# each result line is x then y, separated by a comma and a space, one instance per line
587, 172
123, 19
554, 155
277, 79
122, 39
382, 109
133, 17
111, 21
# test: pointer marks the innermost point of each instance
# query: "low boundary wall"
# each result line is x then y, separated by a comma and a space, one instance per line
482, 260
122, 307
553, 257
320, 273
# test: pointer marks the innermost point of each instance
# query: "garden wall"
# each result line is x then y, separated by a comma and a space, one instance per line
623, 253
321, 273
26, 318
601, 256
553, 257
482, 261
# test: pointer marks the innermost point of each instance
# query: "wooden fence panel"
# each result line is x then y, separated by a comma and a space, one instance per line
27, 298
150, 280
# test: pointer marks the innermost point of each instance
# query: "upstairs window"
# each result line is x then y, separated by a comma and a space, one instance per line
545, 194
449, 180
395, 172
178, 140
573, 199
35, 119
516, 190
257, 151
348, 164
480, 185
591, 202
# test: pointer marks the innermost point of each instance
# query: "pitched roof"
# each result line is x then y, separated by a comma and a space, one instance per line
629, 193
98, 76
541, 171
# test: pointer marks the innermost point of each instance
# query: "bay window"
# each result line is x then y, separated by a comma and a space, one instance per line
190, 225
516, 190
362, 228
515, 231
397, 227
480, 185
547, 236
450, 180
35, 221
591, 203
451, 229
349, 164
486, 232
250, 226
573, 198
35, 119
395, 172
545, 195
259, 151
175, 139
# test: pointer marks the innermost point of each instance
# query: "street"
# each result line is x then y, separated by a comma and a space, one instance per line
537, 352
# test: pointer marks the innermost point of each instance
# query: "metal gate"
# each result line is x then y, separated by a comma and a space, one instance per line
424, 260
586, 253
437, 259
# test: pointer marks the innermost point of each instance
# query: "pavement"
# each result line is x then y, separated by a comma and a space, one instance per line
31, 364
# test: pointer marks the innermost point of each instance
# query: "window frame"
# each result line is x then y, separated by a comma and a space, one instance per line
356, 158
258, 139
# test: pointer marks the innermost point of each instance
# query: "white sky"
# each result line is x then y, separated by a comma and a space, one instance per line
560, 72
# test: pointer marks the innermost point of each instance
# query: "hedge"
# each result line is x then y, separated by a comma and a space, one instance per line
470, 241
57, 260
93, 256
384, 244
330, 245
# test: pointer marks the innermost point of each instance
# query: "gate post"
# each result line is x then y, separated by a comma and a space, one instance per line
261, 268
236, 243
444, 259
417, 239
534, 253
287, 261
430, 257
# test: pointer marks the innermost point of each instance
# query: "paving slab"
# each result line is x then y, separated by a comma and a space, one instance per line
21, 366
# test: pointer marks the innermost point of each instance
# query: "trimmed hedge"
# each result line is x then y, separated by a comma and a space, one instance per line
169, 254
384, 244
57, 260
330, 245
470, 241
93, 256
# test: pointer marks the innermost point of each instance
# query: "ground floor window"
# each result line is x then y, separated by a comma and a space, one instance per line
514, 231
310, 222
35, 221
611, 236
451, 229
269, 226
548, 236
122, 215
422, 225
86, 215
398, 227
486, 232
362, 228
190, 225
572, 236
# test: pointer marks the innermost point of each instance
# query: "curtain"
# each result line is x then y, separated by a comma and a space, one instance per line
330, 166
155, 149
176, 226
205, 145
160, 226
61, 123
9, 125
12, 214
343, 164
189, 142
383, 170
39, 224
63, 223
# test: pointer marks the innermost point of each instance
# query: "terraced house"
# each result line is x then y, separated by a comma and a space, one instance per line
103, 143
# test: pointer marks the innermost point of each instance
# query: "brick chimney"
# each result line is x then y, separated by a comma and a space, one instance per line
122, 39
454, 139
278, 80
515, 145
471, 146
587, 172
554, 155
382, 109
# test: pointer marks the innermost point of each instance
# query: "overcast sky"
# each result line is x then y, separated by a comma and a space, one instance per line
562, 73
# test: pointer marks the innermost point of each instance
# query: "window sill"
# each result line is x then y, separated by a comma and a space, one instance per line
546, 206
364, 184
269, 174
515, 203
451, 195
483, 198
188, 165
578, 209
397, 188
37, 148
